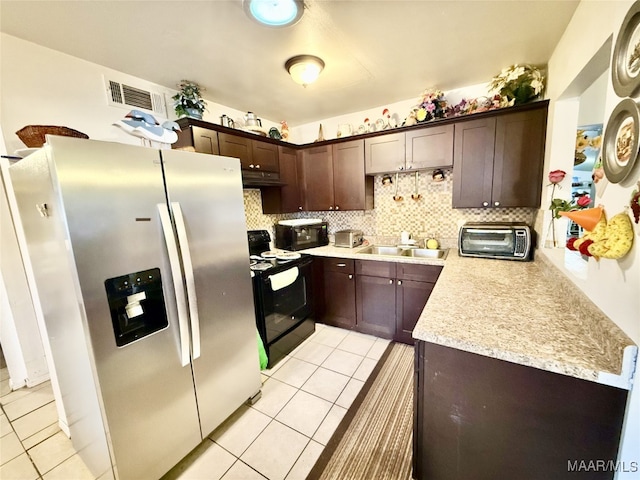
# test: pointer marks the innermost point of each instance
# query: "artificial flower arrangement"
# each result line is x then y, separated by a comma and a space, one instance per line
188, 102
518, 84
515, 85
558, 205
476, 105
432, 105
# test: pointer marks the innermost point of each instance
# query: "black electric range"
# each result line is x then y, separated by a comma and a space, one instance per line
282, 283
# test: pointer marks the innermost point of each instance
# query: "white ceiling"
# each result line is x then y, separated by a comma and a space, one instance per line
376, 51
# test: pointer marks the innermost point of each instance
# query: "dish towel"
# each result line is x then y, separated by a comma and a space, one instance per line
283, 279
262, 354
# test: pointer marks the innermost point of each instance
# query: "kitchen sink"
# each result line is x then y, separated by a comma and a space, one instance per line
405, 252
382, 250
426, 253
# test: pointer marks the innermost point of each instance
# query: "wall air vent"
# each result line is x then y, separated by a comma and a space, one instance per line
122, 95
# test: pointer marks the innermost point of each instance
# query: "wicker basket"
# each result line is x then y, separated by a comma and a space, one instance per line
33, 135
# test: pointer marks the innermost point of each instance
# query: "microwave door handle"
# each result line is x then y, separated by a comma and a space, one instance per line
176, 275
484, 230
183, 242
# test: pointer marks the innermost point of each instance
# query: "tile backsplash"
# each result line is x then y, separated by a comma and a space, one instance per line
431, 215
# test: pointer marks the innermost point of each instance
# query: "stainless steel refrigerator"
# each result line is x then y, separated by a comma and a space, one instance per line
140, 259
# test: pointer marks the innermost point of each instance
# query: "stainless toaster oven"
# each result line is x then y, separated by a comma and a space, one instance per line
507, 241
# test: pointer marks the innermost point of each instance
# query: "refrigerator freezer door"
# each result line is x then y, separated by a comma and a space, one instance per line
110, 194
209, 191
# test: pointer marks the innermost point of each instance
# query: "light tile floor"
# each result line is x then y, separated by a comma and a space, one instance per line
304, 398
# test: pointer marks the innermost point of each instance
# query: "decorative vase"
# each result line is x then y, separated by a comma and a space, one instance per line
194, 113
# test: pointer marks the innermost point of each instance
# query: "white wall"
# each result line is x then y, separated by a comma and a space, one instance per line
611, 285
41, 86
308, 133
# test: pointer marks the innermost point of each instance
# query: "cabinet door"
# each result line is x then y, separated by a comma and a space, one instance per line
417, 272
265, 156
339, 299
197, 139
348, 176
376, 305
239, 147
384, 153
429, 148
410, 301
317, 168
290, 174
205, 141
473, 163
518, 159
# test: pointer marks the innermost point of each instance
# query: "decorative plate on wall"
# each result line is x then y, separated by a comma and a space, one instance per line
625, 64
621, 141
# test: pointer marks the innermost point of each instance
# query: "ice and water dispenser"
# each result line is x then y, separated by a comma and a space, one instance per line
137, 305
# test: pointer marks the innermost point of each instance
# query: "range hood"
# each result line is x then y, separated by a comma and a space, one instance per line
252, 178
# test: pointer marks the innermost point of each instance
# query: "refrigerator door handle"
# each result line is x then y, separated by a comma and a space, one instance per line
183, 242
176, 274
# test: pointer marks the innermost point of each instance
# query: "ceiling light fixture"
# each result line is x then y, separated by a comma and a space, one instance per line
304, 69
274, 13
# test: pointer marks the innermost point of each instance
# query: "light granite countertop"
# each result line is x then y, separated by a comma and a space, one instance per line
527, 313
522, 312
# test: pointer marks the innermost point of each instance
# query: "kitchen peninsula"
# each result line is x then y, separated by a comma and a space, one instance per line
516, 371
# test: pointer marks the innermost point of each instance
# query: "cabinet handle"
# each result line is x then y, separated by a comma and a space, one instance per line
401, 167
257, 166
485, 204
251, 165
300, 207
409, 167
350, 276
331, 208
399, 282
390, 282
341, 264
337, 207
497, 204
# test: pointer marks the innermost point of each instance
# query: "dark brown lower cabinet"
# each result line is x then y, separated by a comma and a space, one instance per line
339, 293
376, 305
411, 297
384, 299
481, 418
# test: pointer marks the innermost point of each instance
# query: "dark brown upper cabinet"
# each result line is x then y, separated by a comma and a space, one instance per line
385, 153
498, 160
198, 139
334, 177
253, 154
352, 190
288, 198
422, 149
429, 148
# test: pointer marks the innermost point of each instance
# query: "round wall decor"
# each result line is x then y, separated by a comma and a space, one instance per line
625, 68
621, 141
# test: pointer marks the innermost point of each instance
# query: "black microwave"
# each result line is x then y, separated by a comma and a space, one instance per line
299, 237
507, 241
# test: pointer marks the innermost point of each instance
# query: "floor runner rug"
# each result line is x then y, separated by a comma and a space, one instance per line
374, 440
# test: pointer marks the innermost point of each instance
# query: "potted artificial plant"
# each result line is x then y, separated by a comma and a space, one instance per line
188, 102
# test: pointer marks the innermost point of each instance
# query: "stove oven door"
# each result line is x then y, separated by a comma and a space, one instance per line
285, 301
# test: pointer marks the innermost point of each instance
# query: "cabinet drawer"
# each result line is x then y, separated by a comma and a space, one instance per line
419, 273
374, 268
342, 265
